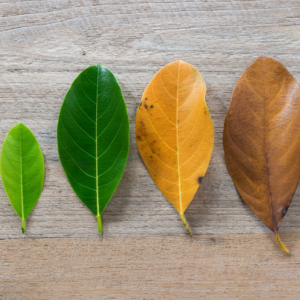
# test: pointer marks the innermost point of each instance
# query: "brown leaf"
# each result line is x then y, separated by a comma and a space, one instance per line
261, 139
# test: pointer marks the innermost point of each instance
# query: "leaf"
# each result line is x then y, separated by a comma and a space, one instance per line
261, 140
174, 132
93, 137
22, 170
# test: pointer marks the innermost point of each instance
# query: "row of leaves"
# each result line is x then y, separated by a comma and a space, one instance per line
175, 137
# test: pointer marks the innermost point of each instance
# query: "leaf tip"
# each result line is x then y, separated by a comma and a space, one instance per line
180, 61
21, 124
263, 57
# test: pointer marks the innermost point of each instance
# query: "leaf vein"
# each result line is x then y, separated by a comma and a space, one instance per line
110, 120
114, 161
81, 108
197, 148
113, 138
109, 103
79, 125
85, 92
77, 163
158, 134
75, 142
156, 155
160, 107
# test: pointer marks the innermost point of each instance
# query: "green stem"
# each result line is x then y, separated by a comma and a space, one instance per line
99, 224
186, 225
23, 225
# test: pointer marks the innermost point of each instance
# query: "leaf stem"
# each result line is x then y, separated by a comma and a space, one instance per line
23, 225
186, 225
281, 245
99, 224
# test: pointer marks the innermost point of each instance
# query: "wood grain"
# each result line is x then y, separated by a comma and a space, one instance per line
45, 44
248, 266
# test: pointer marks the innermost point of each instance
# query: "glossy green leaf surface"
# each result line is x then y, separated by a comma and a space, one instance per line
22, 170
93, 137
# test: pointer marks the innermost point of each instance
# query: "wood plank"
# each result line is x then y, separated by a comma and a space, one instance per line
248, 266
45, 44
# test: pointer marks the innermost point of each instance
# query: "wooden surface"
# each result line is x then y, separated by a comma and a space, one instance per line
202, 267
43, 47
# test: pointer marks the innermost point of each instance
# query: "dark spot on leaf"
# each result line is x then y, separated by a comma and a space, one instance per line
146, 98
151, 156
146, 106
138, 137
151, 106
285, 210
200, 179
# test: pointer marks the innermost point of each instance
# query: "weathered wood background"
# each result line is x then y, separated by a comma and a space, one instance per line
44, 44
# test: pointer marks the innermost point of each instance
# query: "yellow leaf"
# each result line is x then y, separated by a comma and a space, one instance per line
174, 132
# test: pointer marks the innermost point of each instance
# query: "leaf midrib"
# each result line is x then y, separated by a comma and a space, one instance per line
177, 145
266, 149
21, 171
96, 139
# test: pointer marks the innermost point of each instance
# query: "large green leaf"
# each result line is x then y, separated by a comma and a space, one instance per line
22, 170
93, 137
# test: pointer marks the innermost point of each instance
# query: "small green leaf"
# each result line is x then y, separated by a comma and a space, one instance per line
22, 170
93, 137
